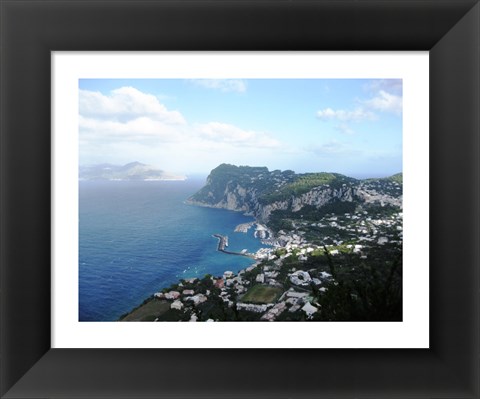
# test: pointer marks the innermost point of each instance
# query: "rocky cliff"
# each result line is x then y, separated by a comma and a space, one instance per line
259, 192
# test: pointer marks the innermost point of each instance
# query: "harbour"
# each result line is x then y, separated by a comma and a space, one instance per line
223, 243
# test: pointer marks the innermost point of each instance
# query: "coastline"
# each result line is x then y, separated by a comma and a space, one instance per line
312, 270
297, 282
171, 241
138, 313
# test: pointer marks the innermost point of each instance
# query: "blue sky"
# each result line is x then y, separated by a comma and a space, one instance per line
349, 126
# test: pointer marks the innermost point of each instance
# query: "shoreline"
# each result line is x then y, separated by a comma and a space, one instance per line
311, 262
295, 281
257, 257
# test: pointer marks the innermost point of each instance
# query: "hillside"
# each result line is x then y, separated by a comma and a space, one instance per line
335, 253
268, 195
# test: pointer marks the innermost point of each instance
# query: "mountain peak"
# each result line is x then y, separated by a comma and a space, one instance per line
131, 171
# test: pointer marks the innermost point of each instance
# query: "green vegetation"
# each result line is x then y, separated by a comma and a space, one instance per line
284, 219
262, 294
382, 212
364, 285
205, 284
303, 184
227, 176
148, 311
268, 186
245, 315
278, 221
350, 246
367, 291
392, 185
398, 178
174, 315
253, 186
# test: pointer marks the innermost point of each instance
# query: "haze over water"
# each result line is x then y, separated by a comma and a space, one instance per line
136, 238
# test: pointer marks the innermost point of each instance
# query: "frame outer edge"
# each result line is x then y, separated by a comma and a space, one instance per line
465, 84
6, 380
25, 276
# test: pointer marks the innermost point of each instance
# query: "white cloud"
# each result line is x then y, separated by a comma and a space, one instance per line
128, 124
394, 86
127, 114
229, 134
126, 103
224, 85
385, 102
356, 115
138, 129
387, 98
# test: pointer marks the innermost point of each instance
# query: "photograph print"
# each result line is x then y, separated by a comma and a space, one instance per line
240, 200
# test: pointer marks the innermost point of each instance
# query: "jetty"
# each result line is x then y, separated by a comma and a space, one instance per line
223, 243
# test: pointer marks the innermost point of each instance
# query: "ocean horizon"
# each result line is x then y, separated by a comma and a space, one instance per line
137, 237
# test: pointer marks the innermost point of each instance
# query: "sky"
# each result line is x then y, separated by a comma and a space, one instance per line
348, 126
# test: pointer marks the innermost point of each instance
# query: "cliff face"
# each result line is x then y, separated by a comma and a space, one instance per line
260, 192
316, 197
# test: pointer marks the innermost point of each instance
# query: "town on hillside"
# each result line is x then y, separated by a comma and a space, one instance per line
339, 267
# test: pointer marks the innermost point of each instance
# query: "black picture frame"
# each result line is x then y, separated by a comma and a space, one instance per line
31, 29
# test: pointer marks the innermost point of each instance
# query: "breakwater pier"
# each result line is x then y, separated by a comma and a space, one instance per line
223, 243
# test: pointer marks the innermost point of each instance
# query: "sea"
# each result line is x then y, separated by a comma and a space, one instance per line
136, 238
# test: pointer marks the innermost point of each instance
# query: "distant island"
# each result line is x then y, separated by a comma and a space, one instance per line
335, 251
133, 171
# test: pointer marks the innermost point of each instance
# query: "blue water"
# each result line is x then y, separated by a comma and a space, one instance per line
139, 237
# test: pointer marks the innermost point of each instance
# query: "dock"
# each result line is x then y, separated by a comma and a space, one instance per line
223, 243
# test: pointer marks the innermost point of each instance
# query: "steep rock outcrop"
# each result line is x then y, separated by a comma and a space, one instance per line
257, 191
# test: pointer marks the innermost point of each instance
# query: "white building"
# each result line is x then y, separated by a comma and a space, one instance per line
176, 305
309, 309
